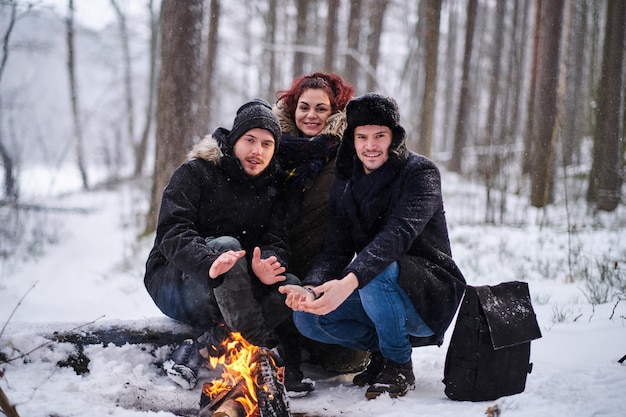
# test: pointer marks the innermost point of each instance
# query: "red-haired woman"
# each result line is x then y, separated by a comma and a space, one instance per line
312, 119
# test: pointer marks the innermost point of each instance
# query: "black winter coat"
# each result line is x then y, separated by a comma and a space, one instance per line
211, 196
395, 214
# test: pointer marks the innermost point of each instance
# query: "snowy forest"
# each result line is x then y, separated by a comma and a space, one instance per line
521, 103
517, 95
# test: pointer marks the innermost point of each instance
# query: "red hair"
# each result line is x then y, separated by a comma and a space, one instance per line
339, 92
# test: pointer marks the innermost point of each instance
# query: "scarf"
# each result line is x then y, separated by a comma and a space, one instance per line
302, 159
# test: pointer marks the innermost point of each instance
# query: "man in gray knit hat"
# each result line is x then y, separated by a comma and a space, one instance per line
220, 250
385, 281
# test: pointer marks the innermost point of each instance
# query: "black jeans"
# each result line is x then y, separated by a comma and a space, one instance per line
241, 302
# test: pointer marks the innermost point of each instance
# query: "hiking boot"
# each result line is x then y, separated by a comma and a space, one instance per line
395, 379
184, 363
211, 342
368, 376
296, 385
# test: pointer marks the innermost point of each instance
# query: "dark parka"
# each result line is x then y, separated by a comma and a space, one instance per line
393, 214
211, 196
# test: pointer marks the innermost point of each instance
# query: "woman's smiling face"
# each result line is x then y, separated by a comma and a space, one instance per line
312, 111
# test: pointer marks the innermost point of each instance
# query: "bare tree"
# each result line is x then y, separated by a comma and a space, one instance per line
177, 93
71, 70
573, 109
302, 10
351, 66
450, 71
605, 180
545, 109
460, 132
532, 92
433, 17
142, 147
271, 29
489, 164
128, 73
8, 163
208, 69
331, 35
377, 9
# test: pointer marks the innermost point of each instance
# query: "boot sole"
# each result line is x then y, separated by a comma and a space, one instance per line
371, 395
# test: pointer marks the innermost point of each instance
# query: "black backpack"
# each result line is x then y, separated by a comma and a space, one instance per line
489, 352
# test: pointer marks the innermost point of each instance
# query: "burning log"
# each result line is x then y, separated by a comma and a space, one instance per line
250, 386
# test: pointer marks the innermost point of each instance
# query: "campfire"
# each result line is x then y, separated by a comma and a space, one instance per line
251, 384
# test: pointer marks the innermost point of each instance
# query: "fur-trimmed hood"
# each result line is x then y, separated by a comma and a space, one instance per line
207, 149
335, 125
211, 148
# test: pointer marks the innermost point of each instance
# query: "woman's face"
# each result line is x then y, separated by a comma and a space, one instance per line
255, 150
312, 111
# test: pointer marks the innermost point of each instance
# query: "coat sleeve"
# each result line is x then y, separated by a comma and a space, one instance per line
177, 234
418, 200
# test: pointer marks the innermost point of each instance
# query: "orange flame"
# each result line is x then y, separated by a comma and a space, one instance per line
239, 365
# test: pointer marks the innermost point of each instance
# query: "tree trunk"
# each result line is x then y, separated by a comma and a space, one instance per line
450, 75
546, 106
272, 69
331, 36
572, 112
177, 93
377, 9
128, 76
489, 162
351, 70
71, 70
11, 192
433, 17
532, 92
605, 180
142, 146
208, 70
460, 131
302, 17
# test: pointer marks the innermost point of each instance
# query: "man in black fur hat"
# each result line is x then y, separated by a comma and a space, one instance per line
385, 281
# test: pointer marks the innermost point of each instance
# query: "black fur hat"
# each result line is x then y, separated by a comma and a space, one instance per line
370, 109
256, 113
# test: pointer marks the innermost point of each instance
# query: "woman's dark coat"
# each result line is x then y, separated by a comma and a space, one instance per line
393, 214
307, 201
211, 196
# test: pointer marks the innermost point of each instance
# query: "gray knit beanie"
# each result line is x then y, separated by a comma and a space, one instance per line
256, 113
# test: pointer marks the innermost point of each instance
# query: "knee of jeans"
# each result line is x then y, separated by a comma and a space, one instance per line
303, 322
223, 243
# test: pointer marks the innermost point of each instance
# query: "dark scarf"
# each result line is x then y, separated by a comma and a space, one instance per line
302, 159
369, 199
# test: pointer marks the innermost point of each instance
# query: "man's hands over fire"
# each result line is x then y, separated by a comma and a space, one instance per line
269, 271
225, 262
330, 295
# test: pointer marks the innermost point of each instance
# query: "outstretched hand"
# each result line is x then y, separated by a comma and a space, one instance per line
269, 271
330, 295
225, 262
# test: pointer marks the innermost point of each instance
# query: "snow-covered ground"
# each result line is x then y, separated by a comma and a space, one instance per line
93, 277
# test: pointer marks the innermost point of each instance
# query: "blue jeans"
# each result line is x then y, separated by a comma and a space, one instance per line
378, 317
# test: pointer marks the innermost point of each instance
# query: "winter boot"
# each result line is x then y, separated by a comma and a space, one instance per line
211, 342
184, 363
395, 379
368, 376
296, 385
